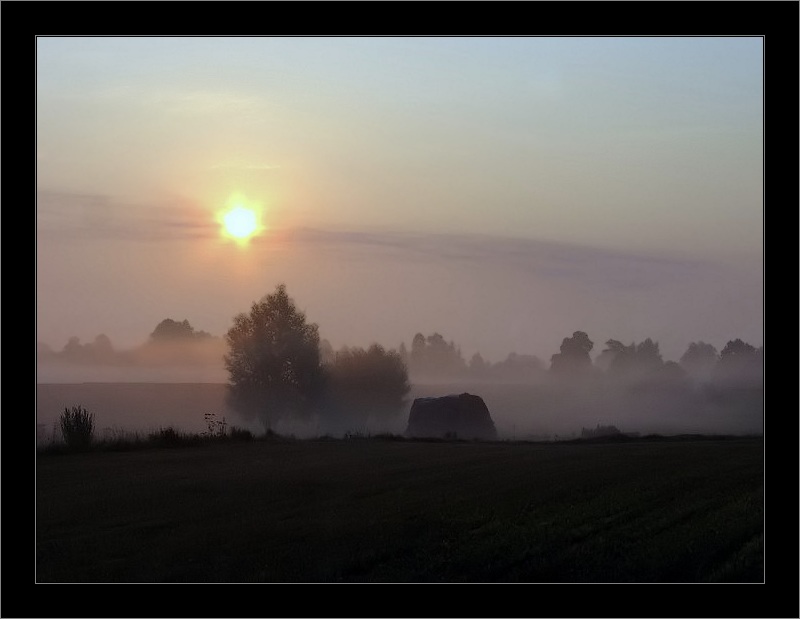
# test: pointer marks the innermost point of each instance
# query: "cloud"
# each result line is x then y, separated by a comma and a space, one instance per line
69, 215
77, 215
545, 259
592, 270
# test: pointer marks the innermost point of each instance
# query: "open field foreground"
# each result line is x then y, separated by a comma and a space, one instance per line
374, 510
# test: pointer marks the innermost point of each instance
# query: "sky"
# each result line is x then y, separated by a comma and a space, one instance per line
504, 192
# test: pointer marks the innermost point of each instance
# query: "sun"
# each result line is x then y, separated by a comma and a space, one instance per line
240, 221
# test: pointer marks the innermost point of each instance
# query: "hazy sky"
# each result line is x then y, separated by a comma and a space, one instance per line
502, 191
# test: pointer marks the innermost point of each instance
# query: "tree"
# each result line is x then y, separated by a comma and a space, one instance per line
274, 360
699, 360
169, 330
636, 361
574, 356
614, 350
736, 350
517, 368
478, 368
403, 352
101, 349
326, 352
740, 361
363, 384
648, 356
434, 357
73, 349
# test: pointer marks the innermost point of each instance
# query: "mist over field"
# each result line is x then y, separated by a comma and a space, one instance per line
467, 204
162, 384
243, 241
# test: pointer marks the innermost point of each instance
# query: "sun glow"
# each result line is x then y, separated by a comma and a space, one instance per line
240, 221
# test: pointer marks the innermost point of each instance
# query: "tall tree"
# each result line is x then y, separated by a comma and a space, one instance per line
169, 330
274, 360
434, 357
648, 356
366, 384
739, 361
699, 360
574, 356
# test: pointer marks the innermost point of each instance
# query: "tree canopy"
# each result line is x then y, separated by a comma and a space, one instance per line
574, 356
169, 330
699, 360
364, 384
274, 360
435, 357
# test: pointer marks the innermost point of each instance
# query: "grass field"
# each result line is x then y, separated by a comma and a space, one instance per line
373, 510
519, 411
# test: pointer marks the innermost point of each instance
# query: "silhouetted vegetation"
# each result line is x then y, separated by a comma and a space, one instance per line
171, 343
280, 373
215, 428
169, 437
574, 359
274, 360
79, 425
77, 428
599, 431
363, 384
169, 330
435, 358
699, 360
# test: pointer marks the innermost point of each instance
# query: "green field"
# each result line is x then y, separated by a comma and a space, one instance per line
375, 510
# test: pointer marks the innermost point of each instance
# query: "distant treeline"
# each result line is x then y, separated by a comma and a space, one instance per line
172, 342
432, 358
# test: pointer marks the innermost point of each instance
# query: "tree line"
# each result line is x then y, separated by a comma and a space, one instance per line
279, 367
433, 357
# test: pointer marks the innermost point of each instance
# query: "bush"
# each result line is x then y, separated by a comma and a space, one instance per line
364, 384
240, 434
77, 427
167, 437
215, 428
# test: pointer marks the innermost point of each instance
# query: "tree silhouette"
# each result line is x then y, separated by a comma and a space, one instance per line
478, 368
699, 360
326, 353
633, 361
614, 350
574, 356
740, 361
517, 368
273, 360
435, 357
648, 356
169, 330
366, 383
99, 351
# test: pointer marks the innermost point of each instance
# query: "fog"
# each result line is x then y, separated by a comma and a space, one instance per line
160, 384
500, 193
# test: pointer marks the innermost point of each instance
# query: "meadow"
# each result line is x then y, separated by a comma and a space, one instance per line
519, 411
385, 509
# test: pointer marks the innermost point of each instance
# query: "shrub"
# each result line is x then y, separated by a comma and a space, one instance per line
366, 383
215, 428
240, 434
168, 437
77, 427
600, 431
